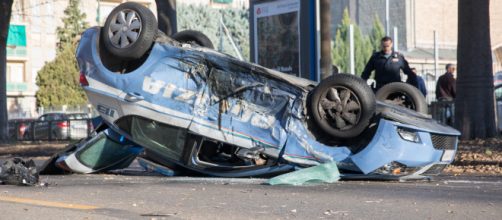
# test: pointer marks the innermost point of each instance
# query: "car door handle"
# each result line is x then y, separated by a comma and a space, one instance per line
133, 97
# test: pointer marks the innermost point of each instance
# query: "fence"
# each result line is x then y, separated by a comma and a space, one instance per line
443, 112
88, 109
57, 130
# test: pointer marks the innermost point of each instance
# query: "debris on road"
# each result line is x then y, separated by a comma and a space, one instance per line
16, 171
323, 173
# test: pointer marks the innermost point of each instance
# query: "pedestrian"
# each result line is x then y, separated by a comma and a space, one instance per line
387, 65
420, 83
446, 92
446, 84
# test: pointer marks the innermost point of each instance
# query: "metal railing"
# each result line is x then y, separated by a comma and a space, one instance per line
443, 111
58, 130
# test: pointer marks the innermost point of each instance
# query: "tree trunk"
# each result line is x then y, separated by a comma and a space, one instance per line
326, 62
5, 11
474, 104
166, 14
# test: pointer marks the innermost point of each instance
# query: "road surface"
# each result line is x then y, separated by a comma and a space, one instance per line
140, 196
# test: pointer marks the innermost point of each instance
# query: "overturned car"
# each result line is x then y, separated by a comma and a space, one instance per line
194, 109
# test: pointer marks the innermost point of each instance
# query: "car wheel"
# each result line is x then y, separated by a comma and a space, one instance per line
402, 94
342, 106
195, 38
129, 31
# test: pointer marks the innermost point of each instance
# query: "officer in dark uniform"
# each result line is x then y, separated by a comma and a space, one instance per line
387, 65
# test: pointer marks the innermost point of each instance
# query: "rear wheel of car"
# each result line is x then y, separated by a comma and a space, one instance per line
402, 94
195, 38
129, 31
342, 106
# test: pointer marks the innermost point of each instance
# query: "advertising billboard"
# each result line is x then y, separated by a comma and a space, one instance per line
284, 36
277, 35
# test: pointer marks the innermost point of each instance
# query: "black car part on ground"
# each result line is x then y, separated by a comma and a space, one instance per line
403, 94
192, 37
17, 171
129, 31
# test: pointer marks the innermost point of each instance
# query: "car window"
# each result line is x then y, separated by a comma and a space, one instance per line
101, 151
77, 116
256, 90
161, 138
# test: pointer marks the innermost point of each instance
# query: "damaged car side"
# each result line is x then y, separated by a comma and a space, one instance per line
194, 109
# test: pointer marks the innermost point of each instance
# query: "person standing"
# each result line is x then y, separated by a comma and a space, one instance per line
420, 84
446, 84
387, 65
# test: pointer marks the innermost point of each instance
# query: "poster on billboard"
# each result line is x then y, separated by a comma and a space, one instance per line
277, 35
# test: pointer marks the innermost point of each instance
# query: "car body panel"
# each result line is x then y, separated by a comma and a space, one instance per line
210, 94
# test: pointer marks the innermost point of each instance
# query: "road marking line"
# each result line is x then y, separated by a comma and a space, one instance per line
473, 182
47, 203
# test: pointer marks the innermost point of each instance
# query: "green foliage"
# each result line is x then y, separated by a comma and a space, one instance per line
58, 81
207, 21
341, 50
377, 33
74, 24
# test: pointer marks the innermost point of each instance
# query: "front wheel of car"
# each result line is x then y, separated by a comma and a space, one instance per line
402, 94
342, 106
129, 31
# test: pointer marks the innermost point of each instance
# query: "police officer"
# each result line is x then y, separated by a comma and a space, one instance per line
387, 65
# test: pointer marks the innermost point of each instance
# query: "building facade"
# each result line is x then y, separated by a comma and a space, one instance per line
33, 41
417, 22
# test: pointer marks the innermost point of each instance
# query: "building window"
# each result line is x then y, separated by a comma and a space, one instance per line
15, 72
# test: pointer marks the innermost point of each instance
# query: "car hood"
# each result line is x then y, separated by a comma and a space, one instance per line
414, 119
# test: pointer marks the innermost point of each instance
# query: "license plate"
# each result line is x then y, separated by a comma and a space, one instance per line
448, 155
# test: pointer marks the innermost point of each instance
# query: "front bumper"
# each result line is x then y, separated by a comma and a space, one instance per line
389, 154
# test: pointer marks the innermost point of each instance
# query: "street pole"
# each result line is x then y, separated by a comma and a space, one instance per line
351, 42
326, 62
436, 55
166, 14
387, 29
396, 40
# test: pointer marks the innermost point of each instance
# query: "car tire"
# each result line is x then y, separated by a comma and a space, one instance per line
129, 31
342, 106
194, 38
403, 94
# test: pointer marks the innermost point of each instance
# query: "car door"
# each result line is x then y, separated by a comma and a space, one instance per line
166, 92
41, 128
246, 108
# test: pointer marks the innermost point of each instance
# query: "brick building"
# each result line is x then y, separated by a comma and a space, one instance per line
416, 22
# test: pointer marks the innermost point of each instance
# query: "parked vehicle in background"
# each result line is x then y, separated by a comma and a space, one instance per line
59, 126
18, 127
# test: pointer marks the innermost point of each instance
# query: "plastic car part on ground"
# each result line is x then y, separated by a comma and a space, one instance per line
323, 173
17, 171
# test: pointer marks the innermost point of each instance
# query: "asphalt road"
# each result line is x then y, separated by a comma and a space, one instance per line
140, 196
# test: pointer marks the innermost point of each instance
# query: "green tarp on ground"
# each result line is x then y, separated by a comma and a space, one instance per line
323, 173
